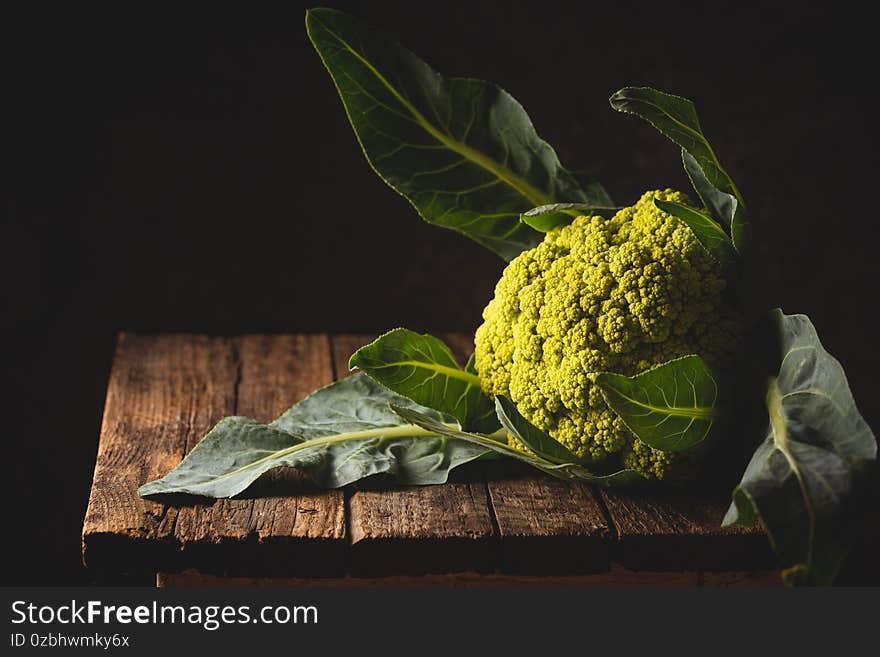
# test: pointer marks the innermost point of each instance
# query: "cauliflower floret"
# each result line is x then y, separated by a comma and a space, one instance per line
621, 295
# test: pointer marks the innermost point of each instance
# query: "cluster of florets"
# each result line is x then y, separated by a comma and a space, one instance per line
619, 295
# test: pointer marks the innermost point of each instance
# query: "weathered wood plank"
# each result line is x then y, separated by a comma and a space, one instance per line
283, 524
278, 371
417, 529
681, 529
164, 392
546, 526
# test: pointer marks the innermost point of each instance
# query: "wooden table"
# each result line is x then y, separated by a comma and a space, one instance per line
495, 524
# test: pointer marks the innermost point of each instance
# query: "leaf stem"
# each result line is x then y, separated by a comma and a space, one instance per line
780, 439
378, 432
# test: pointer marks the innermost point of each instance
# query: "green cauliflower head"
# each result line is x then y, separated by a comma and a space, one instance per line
620, 295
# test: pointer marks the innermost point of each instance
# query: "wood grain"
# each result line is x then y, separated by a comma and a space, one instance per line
277, 371
672, 530
424, 529
283, 524
547, 526
164, 393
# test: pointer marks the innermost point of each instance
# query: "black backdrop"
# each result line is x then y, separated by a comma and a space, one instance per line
196, 172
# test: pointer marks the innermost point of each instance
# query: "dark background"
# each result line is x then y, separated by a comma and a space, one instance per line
197, 173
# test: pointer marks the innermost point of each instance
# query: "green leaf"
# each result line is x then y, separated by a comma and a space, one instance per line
705, 229
422, 368
676, 118
540, 442
338, 435
722, 204
547, 217
567, 471
670, 407
807, 478
462, 151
